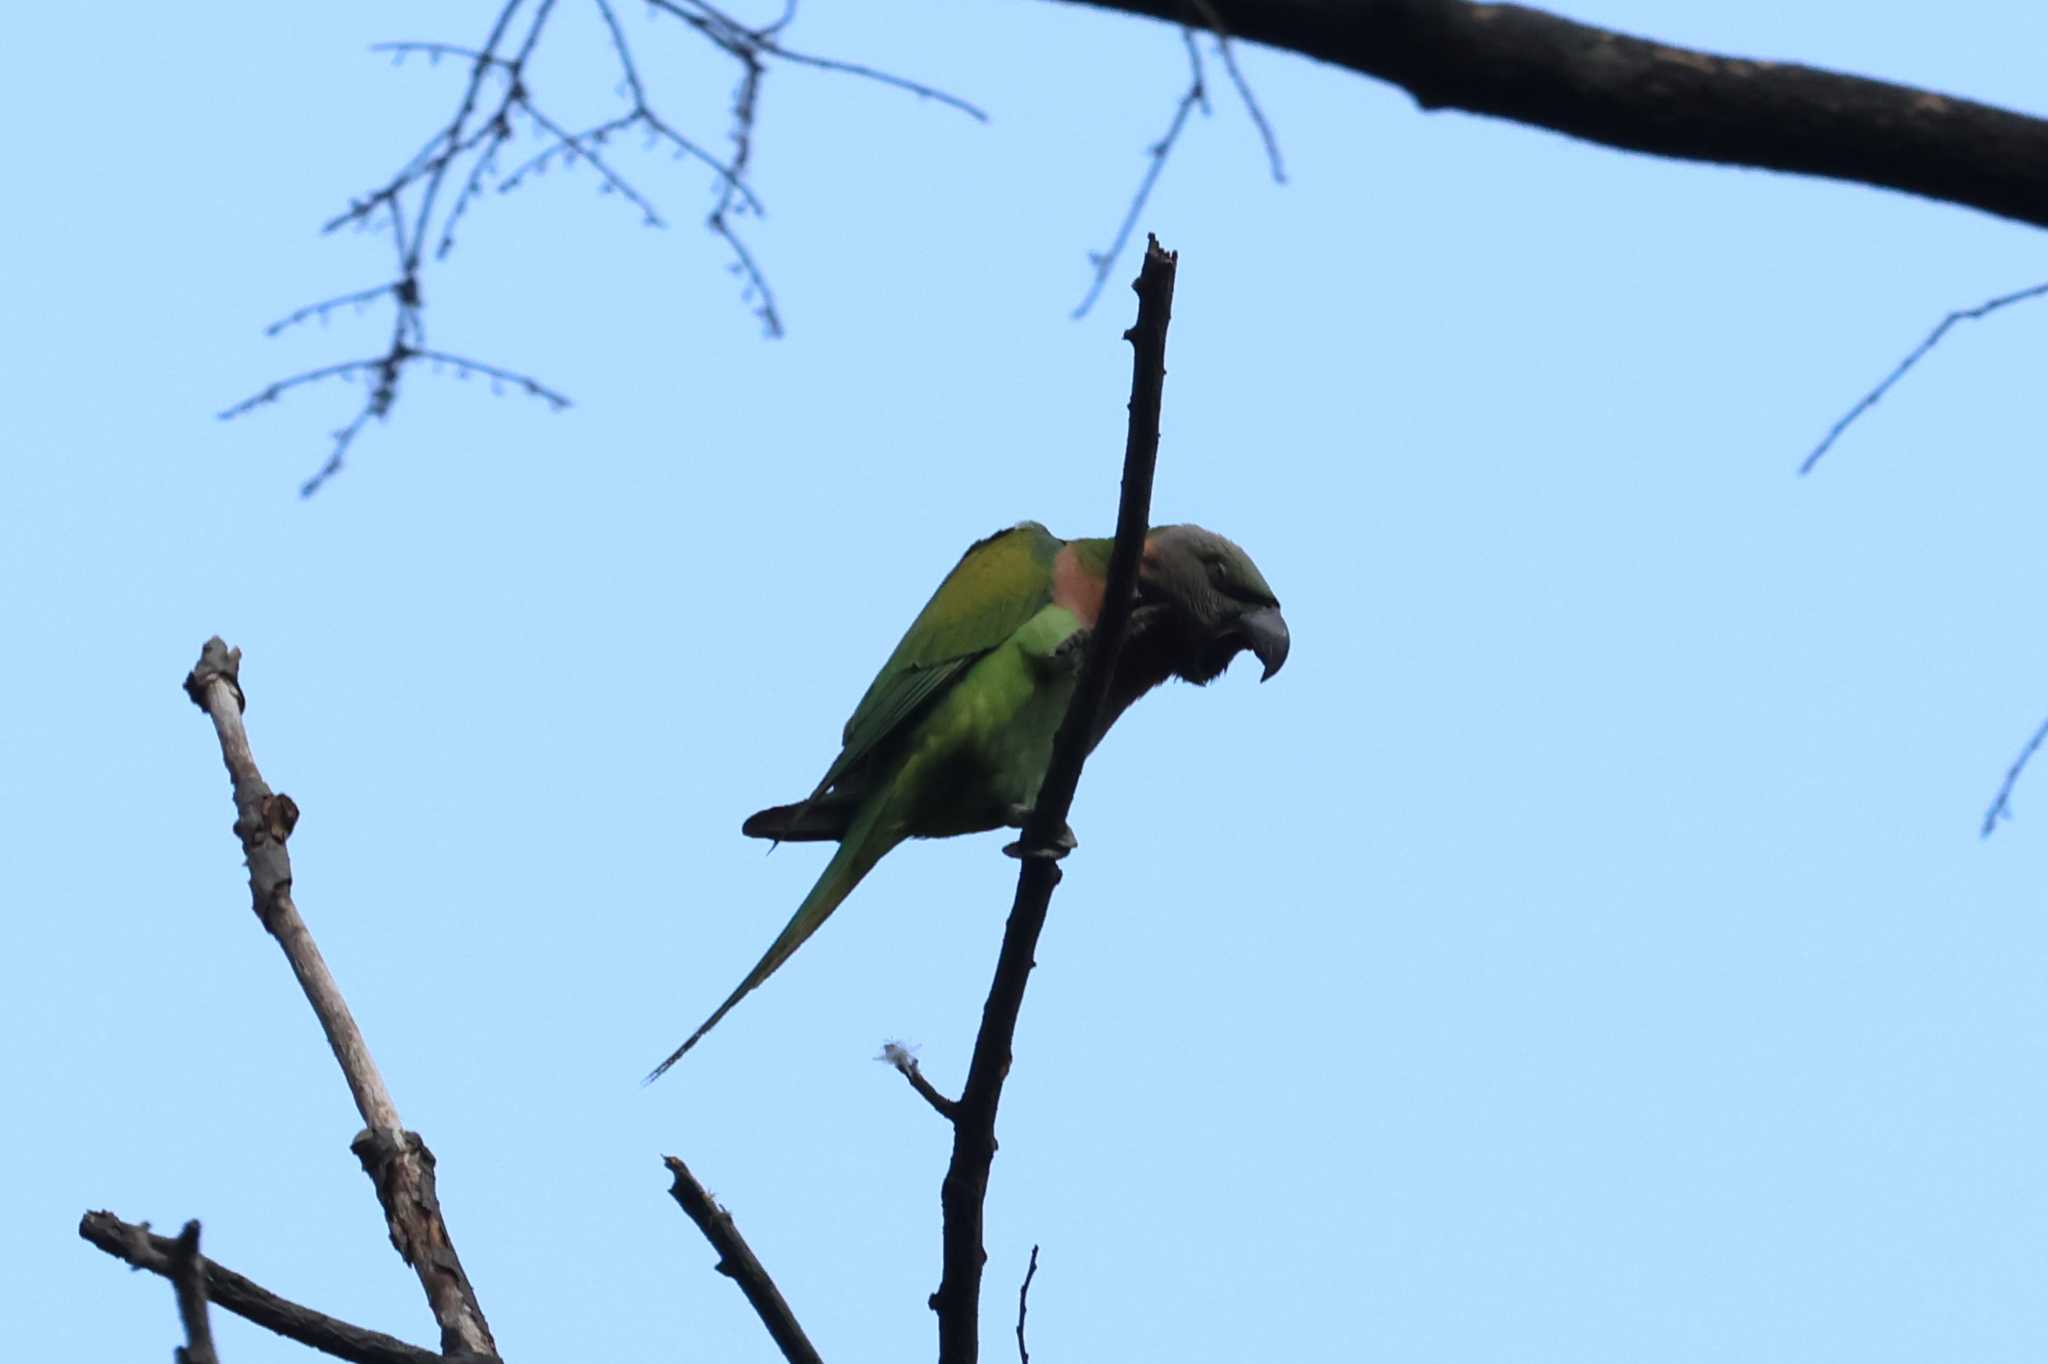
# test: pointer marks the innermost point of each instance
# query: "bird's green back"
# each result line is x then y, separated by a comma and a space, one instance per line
999, 584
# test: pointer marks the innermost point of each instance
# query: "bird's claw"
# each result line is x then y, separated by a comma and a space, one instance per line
1063, 843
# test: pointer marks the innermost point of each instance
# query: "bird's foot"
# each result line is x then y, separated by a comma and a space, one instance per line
1067, 656
1063, 842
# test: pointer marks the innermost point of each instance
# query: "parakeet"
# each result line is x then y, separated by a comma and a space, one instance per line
955, 733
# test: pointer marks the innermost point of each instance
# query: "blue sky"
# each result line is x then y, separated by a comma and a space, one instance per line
1582, 952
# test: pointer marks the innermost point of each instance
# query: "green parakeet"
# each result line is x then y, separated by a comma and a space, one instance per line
955, 733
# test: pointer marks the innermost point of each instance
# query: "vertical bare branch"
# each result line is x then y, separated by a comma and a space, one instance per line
737, 1262
188, 1282
397, 1161
964, 1193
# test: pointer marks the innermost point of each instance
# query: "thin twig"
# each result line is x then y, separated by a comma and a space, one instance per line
1024, 1304
188, 1282
398, 1162
1195, 96
964, 1192
1228, 51
133, 1244
1913, 357
737, 1262
325, 306
2001, 804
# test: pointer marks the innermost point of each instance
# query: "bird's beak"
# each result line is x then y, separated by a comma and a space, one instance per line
1265, 633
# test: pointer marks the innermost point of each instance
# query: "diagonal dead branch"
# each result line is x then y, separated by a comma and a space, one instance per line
737, 1262
134, 1244
964, 1192
397, 1161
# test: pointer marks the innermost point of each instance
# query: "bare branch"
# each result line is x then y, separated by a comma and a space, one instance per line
1913, 357
736, 1261
905, 1062
188, 1281
965, 1190
2001, 804
397, 1161
1531, 67
462, 158
133, 1244
1024, 1304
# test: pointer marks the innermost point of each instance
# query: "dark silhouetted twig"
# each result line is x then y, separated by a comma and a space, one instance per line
1024, 1305
1913, 357
964, 1191
737, 1262
397, 1161
135, 1245
2001, 804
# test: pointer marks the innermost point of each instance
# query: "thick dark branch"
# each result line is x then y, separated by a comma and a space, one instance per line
188, 1282
135, 1245
397, 1161
736, 1261
965, 1190
1606, 87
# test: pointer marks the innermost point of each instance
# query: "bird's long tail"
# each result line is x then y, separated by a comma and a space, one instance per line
866, 842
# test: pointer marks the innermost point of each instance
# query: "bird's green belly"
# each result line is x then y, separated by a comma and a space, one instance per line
983, 751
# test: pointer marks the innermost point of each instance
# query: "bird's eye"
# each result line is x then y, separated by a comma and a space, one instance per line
1219, 570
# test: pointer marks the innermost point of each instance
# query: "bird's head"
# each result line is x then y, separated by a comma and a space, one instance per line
1204, 600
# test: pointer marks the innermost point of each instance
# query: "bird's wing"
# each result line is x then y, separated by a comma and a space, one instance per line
999, 584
